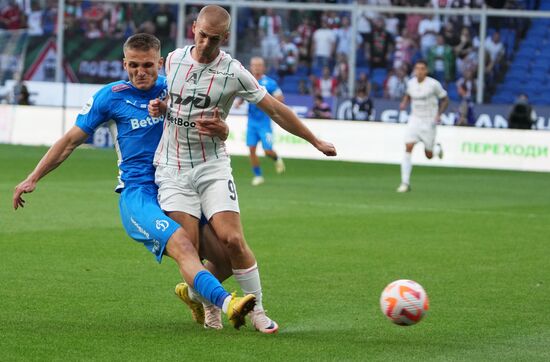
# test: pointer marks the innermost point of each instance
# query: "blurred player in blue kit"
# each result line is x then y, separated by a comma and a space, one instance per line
123, 105
259, 124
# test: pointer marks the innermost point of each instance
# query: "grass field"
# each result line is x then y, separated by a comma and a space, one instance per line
328, 237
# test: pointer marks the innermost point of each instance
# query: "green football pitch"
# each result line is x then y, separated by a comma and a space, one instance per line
328, 237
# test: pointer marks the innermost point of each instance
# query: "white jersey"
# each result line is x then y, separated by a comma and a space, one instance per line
194, 90
425, 98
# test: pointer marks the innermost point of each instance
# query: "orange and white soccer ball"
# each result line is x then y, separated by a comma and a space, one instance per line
404, 302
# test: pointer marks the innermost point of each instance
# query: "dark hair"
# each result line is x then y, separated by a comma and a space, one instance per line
143, 42
421, 61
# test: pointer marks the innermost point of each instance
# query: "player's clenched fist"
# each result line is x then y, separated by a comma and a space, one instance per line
156, 108
327, 148
213, 126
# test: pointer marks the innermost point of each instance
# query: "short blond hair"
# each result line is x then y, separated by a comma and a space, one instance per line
143, 42
215, 13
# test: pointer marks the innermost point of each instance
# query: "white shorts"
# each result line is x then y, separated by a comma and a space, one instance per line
208, 188
419, 130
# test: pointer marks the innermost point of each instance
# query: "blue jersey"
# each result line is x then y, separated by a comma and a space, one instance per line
135, 133
256, 115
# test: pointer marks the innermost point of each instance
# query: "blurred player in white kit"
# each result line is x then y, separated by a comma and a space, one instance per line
428, 101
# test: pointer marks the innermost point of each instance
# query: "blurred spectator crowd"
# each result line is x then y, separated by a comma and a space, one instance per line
89, 18
309, 52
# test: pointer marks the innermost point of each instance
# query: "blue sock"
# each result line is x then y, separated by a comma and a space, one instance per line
210, 288
257, 171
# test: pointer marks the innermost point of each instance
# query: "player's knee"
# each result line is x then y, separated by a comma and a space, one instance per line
180, 247
234, 242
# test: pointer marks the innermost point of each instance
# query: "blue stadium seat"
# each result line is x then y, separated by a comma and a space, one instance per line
543, 57
531, 42
539, 100
317, 71
538, 75
289, 88
289, 83
507, 88
531, 88
503, 98
545, 52
521, 63
512, 78
519, 69
273, 74
360, 59
453, 92
302, 70
359, 70
539, 63
291, 79
538, 32
379, 75
525, 53
509, 41
541, 79
540, 22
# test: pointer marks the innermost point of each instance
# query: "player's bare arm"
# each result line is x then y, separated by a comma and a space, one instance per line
213, 126
280, 97
288, 120
443, 104
51, 160
404, 102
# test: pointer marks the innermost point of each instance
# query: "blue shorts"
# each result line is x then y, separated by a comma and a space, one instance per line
257, 133
144, 220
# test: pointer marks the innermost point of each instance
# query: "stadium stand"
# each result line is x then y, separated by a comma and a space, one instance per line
524, 65
529, 70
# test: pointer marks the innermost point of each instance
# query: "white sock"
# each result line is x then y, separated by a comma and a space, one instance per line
249, 281
437, 149
196, 297
225, 305
406, 168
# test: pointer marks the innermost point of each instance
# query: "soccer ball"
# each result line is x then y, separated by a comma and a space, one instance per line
404, 302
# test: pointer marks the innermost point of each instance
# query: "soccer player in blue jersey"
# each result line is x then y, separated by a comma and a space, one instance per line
124, 105
259, 124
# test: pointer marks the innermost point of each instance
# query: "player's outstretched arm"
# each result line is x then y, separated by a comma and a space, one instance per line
288, 120
53, 158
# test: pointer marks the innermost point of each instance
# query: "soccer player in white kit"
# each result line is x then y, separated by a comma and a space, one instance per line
428, 101
193, 171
